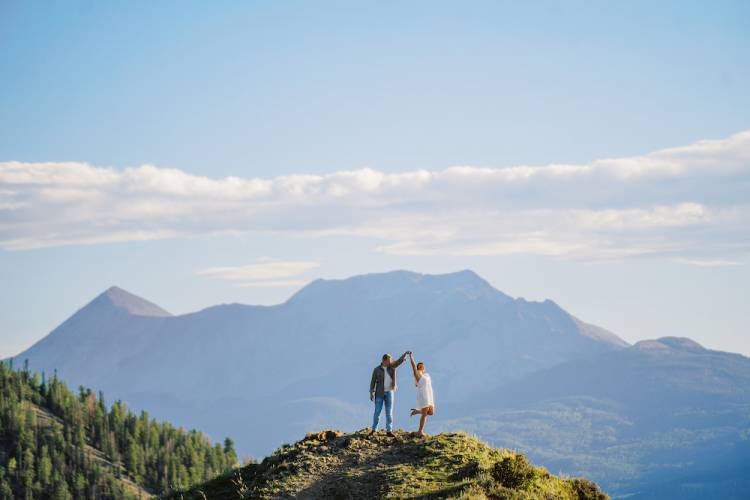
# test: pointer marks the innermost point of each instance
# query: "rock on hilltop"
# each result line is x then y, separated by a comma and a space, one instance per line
334, 465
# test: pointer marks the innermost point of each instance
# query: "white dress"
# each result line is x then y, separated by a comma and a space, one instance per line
424, 392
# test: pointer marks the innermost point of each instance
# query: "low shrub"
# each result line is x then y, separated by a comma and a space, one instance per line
514, 472
587, 490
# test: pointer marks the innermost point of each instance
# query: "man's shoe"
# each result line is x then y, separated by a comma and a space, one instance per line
390, 434
371, 432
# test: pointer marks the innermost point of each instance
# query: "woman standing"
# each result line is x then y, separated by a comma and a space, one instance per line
425, 403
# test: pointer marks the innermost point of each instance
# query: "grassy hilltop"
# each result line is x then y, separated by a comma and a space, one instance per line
335, 465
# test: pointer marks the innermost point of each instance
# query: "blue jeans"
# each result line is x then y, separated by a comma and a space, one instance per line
388, 400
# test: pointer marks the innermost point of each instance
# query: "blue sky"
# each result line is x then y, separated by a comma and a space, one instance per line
199, 153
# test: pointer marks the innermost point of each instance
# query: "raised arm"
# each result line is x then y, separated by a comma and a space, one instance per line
417, 376
400, 360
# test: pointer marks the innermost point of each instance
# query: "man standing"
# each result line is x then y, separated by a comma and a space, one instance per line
383, 388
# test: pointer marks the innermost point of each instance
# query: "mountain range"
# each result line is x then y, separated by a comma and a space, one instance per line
314, 351
518, 373
663, 418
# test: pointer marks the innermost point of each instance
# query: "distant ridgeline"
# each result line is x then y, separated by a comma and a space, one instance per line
61, 445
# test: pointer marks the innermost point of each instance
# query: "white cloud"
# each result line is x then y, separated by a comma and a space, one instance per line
672, 202
266, 272
64, 239
572, 233
708, 262
275, 284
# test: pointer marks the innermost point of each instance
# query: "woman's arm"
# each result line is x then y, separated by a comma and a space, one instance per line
417, 376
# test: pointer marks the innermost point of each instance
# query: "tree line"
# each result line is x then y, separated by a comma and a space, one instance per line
60, 445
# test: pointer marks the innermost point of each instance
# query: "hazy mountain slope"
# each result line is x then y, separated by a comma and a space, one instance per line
126, 301
650, 375
458, 321
112, 327
315, 352
665, 418
333, 465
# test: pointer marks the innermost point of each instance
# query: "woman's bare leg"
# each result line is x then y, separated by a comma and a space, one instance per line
422, 421
427, 410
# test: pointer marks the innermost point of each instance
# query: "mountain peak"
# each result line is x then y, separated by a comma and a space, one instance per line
398, 282
667, 343
122, 299
681, 343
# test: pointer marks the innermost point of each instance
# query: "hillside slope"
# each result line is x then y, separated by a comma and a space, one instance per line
47, 422
56, 444
334, 465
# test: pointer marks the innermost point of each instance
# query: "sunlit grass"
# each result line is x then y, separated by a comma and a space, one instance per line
331, 464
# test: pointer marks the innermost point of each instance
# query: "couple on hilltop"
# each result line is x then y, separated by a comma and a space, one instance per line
383, 388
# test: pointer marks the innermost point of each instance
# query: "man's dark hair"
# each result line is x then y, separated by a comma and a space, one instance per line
386, 356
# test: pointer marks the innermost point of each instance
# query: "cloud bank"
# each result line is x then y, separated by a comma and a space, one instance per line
266, 272
691, 204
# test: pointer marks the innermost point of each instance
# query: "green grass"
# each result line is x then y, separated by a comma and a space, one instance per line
334, 465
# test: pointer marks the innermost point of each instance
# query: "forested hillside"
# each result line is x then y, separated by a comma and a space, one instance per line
58, 444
